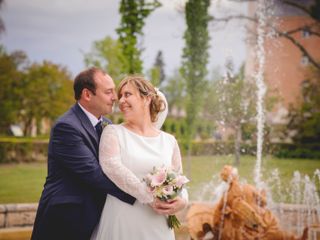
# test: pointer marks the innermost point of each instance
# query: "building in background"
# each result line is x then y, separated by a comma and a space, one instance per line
286, 67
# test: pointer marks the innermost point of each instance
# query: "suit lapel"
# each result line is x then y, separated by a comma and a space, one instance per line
89, 129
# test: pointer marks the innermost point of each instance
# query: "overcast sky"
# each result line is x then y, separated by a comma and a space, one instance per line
61, 30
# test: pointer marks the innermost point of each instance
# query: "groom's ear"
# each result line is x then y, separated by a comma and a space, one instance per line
86, 94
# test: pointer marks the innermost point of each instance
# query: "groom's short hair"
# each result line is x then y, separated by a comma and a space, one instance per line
85, 79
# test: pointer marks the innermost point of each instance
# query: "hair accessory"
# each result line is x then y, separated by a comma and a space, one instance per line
161, 117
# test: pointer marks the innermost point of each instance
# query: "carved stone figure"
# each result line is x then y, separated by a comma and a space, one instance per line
240, 214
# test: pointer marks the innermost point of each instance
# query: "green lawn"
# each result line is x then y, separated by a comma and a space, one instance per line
21, 183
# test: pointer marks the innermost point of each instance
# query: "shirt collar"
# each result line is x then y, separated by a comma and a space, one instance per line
91, 117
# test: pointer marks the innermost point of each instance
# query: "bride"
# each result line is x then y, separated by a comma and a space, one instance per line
127, 153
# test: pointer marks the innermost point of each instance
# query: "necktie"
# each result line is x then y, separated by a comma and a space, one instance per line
98, 128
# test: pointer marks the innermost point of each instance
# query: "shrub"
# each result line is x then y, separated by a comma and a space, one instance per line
286, 150
215, 148
23, 150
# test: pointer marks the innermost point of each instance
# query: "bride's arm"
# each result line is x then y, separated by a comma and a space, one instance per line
110, 161
177, 166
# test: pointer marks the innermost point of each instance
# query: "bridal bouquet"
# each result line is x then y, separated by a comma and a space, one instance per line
166, 184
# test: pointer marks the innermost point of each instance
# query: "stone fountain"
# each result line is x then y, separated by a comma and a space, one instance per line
241, 213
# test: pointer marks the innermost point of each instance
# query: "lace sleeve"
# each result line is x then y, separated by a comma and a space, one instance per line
177, 166
110, 161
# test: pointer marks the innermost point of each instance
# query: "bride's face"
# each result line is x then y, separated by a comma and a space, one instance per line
131, 104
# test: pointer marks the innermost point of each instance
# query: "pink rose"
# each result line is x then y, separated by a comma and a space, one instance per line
181, 180
158, 178
168, 190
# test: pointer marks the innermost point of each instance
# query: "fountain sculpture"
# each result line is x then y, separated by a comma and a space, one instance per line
240, 214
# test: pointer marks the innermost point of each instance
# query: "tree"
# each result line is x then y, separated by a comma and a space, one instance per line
31, 92
194, 59
11, 68
304, 120
154, 76
133, 15
2, 28
231, 103
175, 93
48, 93
157, 71
107, 54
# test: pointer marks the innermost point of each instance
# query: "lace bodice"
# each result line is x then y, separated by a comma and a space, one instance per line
126, 158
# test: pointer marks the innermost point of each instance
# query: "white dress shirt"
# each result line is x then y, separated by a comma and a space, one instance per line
91, 117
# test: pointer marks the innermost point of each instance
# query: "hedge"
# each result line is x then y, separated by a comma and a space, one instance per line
307, 150
14, 150
26, 150
215, 148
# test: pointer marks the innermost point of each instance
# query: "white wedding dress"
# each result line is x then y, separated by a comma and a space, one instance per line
126, 158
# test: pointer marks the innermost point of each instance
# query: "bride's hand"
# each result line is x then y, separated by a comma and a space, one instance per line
169, 207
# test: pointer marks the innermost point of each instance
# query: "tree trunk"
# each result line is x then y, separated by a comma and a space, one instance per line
188, 168
237, 145
27, 127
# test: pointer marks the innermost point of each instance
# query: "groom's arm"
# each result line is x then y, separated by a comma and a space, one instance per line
72, 152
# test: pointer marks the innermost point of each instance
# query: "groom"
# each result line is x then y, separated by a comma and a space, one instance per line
76, 188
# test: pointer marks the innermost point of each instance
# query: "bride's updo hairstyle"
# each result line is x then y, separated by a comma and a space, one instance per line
145, 89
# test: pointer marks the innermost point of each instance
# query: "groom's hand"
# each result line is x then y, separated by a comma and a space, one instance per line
169, 207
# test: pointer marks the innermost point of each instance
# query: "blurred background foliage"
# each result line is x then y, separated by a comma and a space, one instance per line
209, 109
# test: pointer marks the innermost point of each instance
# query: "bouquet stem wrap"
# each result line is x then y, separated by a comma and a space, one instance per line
173, 222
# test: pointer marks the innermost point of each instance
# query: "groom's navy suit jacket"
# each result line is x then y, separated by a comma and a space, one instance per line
76, 188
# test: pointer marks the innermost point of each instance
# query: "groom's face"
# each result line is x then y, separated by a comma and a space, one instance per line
105, 96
